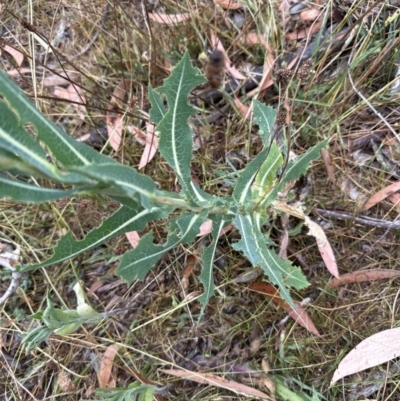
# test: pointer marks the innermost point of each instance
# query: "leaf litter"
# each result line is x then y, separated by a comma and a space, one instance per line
226, 314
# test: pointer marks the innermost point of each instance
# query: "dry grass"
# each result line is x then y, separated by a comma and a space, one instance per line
162, 330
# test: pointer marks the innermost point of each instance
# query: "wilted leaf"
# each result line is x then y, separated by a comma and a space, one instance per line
229, 4
381, 195
75, 94
17, 55
105, 374
297, 313
169, 19
365, 275
213, 380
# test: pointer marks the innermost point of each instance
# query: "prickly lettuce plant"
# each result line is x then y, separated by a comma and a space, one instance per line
81, 170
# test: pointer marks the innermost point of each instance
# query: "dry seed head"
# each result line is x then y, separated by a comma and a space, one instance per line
305, 69
283, 74
280, 118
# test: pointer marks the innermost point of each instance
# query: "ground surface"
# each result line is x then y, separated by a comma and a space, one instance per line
98, 45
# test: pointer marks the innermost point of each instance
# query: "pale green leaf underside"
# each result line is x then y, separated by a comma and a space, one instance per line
206, 276
23, 192
280, 272
137, 263
242, 191
122, 221
64, 148
266, 176
264, 116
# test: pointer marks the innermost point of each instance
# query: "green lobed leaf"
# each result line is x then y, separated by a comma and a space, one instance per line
266, 176
280, 272
158, 109
295, 169
264, 116
16, 140
176, 137
137, 263
206, 276
65, 149
24, 192
242, 192
124, 220
131, 183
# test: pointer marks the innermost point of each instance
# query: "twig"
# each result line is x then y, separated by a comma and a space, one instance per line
9, 260
368, 221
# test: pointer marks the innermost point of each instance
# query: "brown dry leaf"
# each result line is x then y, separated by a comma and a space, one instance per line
310, 14
269, 62
317, 232
217, 45
304, 32
59, 80
268, 290
375, 350
298, 314
252, 38
364, 275
105, 374
74, 94
17, 55
229, 4
150, 147
381, 195
169, 19
133, 238
244, 110
213, 380
114, 129
329, 166
95, 286
395, 199
19, 71
206, 229
115, 121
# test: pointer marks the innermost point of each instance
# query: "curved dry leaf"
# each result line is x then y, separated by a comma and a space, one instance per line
365, 275
375, 350
169, 19
114, 129
329, 166
133, 238
301, 317
74, 94
229, 4
105, 374
381, 195
213, 380
150, 147
395, 199
304, 32
310, 14
298, 314
17, 55
244, 110
317, 232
